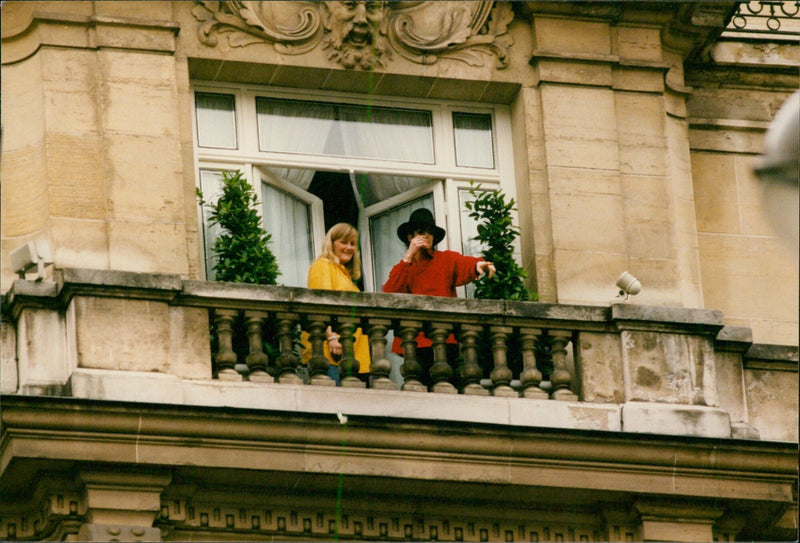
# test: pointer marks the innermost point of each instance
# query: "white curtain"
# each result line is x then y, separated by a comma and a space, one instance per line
377, 188
389, 134
387, 249
293, 127
216, 120
288, 221
473, 139
295, 176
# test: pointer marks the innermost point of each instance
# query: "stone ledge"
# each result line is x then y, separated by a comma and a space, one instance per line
675, 419
735, 339
157, 388
761, 356
666, 319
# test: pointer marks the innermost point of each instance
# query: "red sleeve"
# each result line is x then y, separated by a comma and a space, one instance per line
464, 268
398, 279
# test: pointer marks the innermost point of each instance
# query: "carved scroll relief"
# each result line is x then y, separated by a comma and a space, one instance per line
362, 34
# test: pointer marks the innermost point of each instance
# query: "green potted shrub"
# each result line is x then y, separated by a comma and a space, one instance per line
242, 251
497, 234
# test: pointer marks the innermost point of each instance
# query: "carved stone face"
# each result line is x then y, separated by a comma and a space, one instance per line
355, 24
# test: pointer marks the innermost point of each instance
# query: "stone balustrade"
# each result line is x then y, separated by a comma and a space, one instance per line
473, 374
681, 368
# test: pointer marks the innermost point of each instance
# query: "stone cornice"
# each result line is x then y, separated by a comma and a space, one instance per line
153, 435
41, 28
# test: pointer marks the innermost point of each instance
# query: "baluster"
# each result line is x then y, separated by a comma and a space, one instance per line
441, 371
348, 365
530, 376
318, 364
411, 368
257, 360
471, 372
380, 365
501, 374
225, 357
287, 361
561, 378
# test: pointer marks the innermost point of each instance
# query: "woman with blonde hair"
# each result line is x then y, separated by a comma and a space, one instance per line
337, 268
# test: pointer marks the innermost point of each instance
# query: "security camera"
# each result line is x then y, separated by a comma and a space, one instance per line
33, 254
628, 285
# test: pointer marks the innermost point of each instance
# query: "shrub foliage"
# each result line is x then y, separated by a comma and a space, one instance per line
497, 233
242, 248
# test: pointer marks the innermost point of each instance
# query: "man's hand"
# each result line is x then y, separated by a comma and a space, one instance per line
416, 244
485, 267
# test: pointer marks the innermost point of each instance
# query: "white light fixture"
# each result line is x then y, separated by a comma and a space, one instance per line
33, 254
628, 285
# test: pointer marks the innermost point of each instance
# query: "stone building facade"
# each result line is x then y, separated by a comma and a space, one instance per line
626, 132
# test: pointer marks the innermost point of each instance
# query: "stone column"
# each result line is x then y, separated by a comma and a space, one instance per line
471, 372
411, 368
380, 366
501, 374
561, 378
287, 361
531, 376
257, 360
441, 372
348, 365
225, 357
318, 364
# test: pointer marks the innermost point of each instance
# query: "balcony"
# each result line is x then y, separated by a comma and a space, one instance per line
623, 368
628, 419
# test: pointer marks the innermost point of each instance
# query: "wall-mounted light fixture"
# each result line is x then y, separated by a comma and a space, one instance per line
34, 254
628, 285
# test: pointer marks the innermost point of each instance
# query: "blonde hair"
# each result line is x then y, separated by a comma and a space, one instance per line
345, 232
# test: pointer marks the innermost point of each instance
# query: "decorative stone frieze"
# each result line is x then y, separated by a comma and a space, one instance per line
364, 35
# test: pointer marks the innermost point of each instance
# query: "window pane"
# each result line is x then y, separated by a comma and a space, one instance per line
387, 249
374, 188
211, 186
473, 135
321, 128
216, 120
288, 220
469, 230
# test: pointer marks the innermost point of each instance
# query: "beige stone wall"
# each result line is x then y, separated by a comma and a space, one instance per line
93, 159
98, 153
748, 271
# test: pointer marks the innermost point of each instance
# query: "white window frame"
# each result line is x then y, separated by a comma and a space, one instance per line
446, 177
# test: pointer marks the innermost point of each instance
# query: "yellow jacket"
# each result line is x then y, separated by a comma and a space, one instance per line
326, 275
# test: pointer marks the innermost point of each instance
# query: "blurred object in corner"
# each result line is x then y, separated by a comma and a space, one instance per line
778, 172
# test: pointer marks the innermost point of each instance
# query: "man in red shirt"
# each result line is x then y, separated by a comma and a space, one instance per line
424, 270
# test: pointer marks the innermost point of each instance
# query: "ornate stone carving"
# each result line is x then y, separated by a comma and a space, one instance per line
364, 34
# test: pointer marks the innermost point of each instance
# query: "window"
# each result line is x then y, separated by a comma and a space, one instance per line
318, 160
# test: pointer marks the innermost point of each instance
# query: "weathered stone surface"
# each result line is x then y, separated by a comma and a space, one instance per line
9, 369
683, 420
571, 36
42, 363
772, 403
122, 334
600, 367
730, 385
668, 368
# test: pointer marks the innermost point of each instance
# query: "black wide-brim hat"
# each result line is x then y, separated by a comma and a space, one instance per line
421, 219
